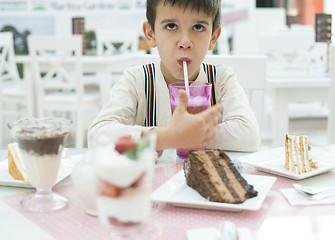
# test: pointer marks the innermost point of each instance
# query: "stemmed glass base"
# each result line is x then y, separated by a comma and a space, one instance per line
125, 233
122, 231
44, 201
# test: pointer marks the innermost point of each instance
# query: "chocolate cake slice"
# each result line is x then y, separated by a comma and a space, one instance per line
212, 174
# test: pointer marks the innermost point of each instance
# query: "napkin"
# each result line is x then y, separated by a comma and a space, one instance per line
212, 234
297, 199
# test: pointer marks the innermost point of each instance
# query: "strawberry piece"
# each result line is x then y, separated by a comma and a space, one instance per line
125, 137
108, 189
138, 180
124, 144
118, 223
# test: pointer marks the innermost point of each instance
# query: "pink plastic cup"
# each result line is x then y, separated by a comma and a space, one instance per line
199, 100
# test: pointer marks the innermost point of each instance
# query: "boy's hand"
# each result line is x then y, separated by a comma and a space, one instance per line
190, 130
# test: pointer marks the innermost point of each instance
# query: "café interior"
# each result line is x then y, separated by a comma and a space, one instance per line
283, 53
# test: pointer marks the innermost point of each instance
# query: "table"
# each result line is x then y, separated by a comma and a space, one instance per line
276, 219
103, 65
286, 89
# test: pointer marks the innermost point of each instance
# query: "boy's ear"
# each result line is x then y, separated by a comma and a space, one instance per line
149, 34
214, 38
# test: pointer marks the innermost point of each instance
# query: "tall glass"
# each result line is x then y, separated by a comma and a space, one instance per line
199, 100
124, 171
41, 143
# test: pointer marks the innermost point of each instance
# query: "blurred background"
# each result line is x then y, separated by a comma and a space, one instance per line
248, 28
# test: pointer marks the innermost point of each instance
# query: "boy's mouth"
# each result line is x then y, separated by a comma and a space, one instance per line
181, 60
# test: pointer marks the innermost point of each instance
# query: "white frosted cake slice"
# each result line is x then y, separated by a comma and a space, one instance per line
297, 154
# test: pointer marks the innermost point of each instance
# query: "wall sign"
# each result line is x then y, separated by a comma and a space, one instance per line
69, 5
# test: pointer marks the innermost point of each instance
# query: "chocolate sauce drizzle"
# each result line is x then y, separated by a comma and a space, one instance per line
41, 140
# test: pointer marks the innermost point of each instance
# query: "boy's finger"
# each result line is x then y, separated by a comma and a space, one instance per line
210, 135
211, 112
183, 99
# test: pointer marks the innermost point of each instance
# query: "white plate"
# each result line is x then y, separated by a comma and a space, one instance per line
273, 161
67, 164
178, 193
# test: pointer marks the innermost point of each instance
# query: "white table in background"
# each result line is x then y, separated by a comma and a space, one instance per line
283, 90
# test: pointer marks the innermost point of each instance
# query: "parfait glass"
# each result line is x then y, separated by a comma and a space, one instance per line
41, 143
124, 170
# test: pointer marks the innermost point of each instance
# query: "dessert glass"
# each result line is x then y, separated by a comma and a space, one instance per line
124, 171
199, 100
41, 142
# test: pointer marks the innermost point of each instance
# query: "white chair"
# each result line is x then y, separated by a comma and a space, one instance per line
116, 41
223, 42
292, 52
295, 62
331, 117
57, 71
251, 74
141, 59
16, 95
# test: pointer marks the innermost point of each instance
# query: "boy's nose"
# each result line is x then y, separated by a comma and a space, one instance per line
185, 42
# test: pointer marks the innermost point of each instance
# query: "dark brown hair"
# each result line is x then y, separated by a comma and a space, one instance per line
210, 7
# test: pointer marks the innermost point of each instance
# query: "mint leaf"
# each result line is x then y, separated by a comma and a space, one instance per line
131, 154
141, 145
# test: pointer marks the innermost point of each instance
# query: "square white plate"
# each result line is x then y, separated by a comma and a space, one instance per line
178, 193
7, 180
273, 161
69, 160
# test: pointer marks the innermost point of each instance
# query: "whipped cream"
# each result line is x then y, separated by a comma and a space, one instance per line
119, 170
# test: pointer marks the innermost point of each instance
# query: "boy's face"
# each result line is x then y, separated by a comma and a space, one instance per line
181, 35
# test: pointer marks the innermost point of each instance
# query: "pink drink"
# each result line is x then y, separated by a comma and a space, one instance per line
199, 100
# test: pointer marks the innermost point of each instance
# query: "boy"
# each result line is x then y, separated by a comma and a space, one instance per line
182, 30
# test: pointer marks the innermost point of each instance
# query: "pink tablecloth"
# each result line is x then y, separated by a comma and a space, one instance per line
165, 223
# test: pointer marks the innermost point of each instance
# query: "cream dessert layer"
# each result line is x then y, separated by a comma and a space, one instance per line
118, 169
41, 169
124, 208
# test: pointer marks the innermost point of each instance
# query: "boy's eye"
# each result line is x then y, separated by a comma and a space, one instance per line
198, 27
171, 26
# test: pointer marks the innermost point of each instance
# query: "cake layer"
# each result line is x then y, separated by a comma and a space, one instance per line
15, 167
297, 155
212, 174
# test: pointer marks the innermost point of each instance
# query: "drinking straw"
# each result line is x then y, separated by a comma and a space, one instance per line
186, 78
